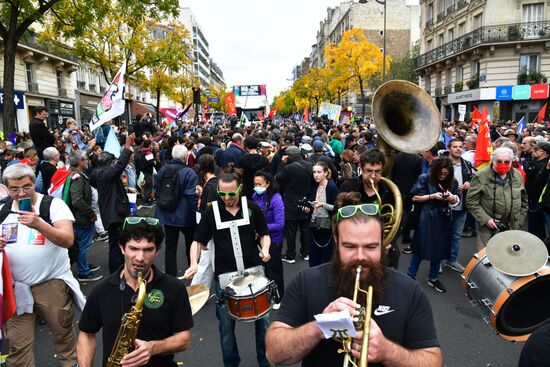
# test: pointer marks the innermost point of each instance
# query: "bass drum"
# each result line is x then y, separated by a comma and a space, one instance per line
515, 306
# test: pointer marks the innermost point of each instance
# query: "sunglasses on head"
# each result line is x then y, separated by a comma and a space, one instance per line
351, 210
135, 220
230, 193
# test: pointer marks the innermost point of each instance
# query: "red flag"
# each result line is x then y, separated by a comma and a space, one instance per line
476, 116
542, 113
485, 114
482, 155
7, 302
230, 103
260, 116
272, 113
306, 115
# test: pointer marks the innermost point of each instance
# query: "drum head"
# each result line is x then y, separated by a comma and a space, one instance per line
526, 309
244, 285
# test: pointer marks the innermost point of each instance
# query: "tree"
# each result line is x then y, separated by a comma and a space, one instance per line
312, 86
284, 103
358, 58
17, 16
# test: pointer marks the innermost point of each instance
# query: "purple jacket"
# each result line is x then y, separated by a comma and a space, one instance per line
274, 214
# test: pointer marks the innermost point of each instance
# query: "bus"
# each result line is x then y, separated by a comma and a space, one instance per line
250, 99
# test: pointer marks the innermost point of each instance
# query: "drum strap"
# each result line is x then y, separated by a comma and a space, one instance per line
233, 226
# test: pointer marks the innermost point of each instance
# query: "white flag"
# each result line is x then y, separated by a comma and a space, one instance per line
112, 104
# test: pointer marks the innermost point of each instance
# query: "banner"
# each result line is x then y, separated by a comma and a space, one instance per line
112, 104
482, 155
331, 110
306, 115
111, 144
230, 103
542, 113
521, 125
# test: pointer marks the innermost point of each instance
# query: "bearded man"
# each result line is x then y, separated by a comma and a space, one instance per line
402, 330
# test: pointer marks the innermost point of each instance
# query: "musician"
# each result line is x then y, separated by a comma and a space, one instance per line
229, 207
402, 331
166, 316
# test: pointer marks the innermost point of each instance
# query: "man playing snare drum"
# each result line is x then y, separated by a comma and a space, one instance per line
230, 209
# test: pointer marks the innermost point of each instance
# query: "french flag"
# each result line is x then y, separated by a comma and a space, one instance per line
7, 298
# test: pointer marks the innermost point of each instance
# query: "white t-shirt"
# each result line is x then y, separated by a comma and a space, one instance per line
33, 258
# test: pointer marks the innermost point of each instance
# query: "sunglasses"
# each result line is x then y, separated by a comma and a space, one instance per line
230, 193
135, 220
351, 210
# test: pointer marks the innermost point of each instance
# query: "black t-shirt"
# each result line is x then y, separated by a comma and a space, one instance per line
224, 256
404, 314
166, 311
356, 184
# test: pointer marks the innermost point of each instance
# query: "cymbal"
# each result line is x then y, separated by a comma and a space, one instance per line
517, 253
198, 295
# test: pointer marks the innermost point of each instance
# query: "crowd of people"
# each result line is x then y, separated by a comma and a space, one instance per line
322, 180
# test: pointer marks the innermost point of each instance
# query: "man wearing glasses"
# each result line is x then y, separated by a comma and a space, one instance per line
497, 198
166, 318
229, 206
39, 263
402, 331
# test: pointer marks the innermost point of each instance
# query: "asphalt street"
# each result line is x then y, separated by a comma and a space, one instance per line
466, 340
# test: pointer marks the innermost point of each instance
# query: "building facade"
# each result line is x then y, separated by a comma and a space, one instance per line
485, 53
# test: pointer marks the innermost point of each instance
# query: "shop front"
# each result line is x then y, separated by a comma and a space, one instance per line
59, 111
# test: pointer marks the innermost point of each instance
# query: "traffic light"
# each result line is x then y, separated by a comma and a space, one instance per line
196, 95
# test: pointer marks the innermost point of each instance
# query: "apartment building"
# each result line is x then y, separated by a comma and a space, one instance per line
485, 53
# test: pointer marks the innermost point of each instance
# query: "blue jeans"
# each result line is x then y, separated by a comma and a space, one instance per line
457, 225
228, 341
84, 239
415, 263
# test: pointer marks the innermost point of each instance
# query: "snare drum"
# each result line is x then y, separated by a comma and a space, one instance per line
515, 306
249, 298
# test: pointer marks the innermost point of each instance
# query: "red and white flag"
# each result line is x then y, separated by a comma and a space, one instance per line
112, 104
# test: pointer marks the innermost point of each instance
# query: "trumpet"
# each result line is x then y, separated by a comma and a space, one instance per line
361, 322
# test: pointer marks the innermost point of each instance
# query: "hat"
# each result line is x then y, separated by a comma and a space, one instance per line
510, 132
292, 151
318, 146
306, 148
265, 144
306, 139
544, 146
251, 142
288, 139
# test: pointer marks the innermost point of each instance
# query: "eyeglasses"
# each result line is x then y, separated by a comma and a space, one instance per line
498, 161
350, 211
26, 189
230, 193
135, 220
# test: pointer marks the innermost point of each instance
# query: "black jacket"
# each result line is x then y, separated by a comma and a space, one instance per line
405, 170
113, 201
81, 200
251, 163
47, 169
532, 185
295, 179
41, 136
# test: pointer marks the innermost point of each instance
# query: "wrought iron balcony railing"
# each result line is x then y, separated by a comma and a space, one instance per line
429, 23
81, 85
451, 9
32, 87
486, 35
62, 92
441, 16
438, 92
448, 89
462, 4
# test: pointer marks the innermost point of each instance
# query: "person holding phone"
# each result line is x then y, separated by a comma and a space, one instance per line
44, 285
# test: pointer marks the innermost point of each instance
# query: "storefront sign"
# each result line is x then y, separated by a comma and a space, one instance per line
504, 93
17, 99
521, 92
466, 96
487, 94
539, 91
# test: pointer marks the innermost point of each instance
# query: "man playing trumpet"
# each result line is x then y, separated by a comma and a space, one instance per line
402, 330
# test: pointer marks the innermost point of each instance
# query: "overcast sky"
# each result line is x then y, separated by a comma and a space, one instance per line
258, 41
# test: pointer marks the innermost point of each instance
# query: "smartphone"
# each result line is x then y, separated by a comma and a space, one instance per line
25, 204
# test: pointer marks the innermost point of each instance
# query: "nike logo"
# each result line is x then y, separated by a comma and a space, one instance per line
382, 310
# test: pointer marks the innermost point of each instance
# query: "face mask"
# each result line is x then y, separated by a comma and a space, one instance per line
259, 190
502, 168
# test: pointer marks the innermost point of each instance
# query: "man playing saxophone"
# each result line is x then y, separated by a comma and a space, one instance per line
402, 330
164, 326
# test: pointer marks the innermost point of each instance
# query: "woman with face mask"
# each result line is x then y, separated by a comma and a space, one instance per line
322, 197
268, 198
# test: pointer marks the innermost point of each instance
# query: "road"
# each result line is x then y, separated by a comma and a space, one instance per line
466, 340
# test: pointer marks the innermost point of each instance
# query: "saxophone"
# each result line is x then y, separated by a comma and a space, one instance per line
127, 333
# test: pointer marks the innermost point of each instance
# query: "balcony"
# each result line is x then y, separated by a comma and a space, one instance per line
448, 89
440, 16
462, 4
438, 92
428, 90
486, 35
92, 88
62, 92
32, 87
451, 9
102, 89
81, 85
429, 23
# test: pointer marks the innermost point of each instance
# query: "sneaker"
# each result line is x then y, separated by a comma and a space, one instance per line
305, 257
276, 306
89, 278
440, 269
94, 267
407, 250
455, 266
438, 286
288, 260
102, 236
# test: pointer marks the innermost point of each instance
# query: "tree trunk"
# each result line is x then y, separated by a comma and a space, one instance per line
363, 104
10, 48
158, 107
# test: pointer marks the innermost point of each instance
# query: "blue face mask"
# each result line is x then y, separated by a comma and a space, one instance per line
260, 190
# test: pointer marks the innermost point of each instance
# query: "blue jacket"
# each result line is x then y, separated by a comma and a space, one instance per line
274, 215
233, 154
184, 215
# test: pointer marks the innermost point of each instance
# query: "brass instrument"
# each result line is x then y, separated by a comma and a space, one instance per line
406, 119
127, 333
361, 322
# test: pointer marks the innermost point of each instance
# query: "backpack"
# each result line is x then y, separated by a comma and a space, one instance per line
168, 188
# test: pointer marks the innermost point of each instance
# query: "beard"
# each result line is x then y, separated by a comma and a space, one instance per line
373, 274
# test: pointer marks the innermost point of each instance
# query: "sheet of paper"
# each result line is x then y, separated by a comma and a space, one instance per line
336, 322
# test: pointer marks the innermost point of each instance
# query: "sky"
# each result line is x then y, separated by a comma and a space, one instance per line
259, 41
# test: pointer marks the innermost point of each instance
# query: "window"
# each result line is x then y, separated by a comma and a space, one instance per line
461, 29
430, 14
533, 12
478, 20
428, 82
440, 39
428, 45
448, 77
31, 85
59, 78
441, 6
450, 35
459, 73
528, 63
475, 68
